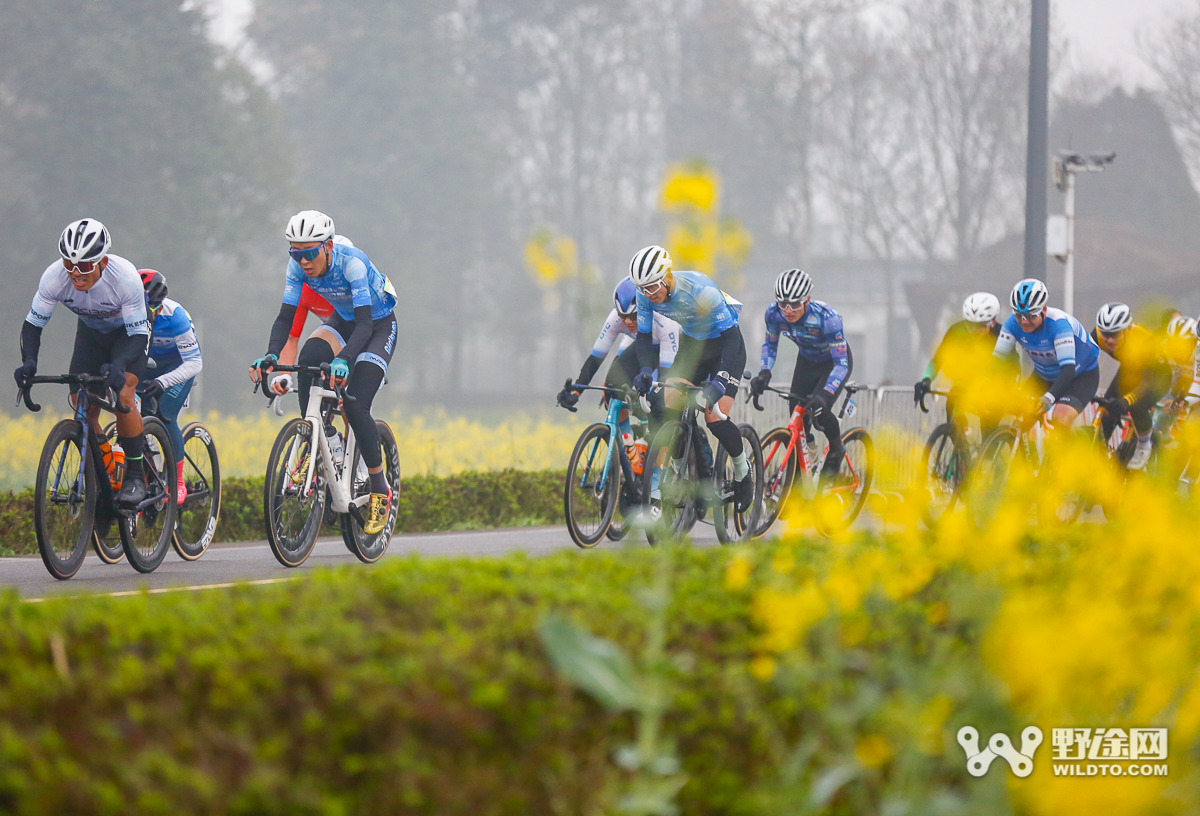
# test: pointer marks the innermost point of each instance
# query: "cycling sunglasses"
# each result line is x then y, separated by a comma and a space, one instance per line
83, 267
1026, 317
299, 255
650, 288
792, 305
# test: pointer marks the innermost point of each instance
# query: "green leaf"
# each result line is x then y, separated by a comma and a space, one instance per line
595, 665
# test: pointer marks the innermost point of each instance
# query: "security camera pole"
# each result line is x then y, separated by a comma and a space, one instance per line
1060, 229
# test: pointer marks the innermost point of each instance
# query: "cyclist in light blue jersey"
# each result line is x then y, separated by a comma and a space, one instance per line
711, 349
823, 360
1066, 361
364, 322
174, 363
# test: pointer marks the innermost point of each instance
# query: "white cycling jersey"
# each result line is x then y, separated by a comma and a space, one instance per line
665, 333
116, 300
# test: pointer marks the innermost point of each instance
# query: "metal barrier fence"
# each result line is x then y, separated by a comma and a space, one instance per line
897, 426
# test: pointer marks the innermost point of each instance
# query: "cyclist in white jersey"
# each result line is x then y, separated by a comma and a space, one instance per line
364, 322
105, 291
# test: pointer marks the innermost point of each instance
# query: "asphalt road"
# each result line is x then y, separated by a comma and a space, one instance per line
252, 561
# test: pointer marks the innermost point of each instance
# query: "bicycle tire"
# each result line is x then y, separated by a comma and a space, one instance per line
851, 486
197, 519
779, 472
108, 547
292, 510
944, 466
146, 534
588, 495
733, 527
370, 548
63, 521
622, 518
679, 485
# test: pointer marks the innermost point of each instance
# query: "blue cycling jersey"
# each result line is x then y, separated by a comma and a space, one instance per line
818, 336
1060, 340
351, 281
701, 309
173, 345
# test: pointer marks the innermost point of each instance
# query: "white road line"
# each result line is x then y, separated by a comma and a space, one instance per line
161, 590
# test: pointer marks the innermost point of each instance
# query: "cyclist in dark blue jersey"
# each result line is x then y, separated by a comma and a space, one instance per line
364, 322
823, 359
711, 349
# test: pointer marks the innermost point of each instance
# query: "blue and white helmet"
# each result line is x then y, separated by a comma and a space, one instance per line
1029, 297
625, 298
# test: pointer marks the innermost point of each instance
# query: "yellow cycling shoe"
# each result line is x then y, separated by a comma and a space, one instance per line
377, 517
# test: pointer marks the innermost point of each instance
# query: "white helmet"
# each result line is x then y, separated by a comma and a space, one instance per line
1114, 317
981, 307
650, 265
84, 240
1181, 326
793, 285
309, 225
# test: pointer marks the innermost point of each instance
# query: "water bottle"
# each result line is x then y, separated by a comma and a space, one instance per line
337, 448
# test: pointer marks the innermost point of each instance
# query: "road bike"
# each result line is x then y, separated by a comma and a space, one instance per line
304, 477
74, 507
837, 501
673, 488
945, 464
602, 488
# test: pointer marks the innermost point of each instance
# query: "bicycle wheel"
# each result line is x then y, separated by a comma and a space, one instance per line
591, 490
201, 509
370, 548
671, 482
108, 546
627, 503
146, 533
838, 503
779, 470
731, 525
292, 503
944, 466
64, 501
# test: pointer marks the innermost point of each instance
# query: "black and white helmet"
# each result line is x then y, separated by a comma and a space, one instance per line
650, 265
981, 307
793, 286
1114, 317
84, 240
309, 225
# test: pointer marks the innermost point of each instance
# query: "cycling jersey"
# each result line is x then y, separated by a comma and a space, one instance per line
701, 309
310, 301
351, 281
818, 337
964, 351
665, 333
116, 300
1060, 340
173, 345
1142, 359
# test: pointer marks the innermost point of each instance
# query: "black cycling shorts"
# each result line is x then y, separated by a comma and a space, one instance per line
1080, 391
698, 361
93, 349
380, 346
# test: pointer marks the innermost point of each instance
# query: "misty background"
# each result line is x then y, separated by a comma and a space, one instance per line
880, 146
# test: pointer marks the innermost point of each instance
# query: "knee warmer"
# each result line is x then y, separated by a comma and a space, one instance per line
728, 435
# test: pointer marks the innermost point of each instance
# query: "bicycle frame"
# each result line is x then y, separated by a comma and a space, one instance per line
796, 431
340, 485
612, 420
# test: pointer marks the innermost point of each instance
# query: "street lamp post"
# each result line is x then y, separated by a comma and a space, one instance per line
1060, 239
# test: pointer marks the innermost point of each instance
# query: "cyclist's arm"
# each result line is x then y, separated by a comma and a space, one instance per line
770, 346
840, 351
31, 342
357, 341
600, 349
590, 366
298, 323
666, 337
128, 348
281, 328
1064, 350
189, 352
1006, 341
731, 348
645, 332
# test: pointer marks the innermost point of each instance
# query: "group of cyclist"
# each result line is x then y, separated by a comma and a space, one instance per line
144, 344
1154, 368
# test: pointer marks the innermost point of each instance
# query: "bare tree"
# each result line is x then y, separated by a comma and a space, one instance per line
1174, 54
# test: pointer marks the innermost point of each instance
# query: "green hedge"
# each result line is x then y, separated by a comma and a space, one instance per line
421, 687
470, 500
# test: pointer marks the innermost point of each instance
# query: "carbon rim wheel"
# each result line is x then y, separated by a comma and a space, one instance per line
944, 465
63, 505
779, 470
671, 482
838, 504
201, 509
731, 525
590, 492
146, 533
292, 503
370, 549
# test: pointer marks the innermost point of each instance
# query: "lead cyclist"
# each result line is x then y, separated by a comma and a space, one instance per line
364, 322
